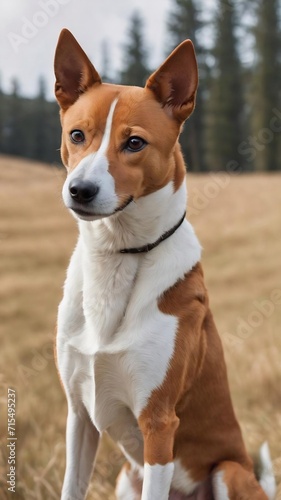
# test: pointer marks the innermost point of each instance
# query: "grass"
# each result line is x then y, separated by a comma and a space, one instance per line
239, 227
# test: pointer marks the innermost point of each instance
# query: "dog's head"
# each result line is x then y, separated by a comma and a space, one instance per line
120, 143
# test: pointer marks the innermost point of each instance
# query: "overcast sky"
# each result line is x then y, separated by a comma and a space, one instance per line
30, 29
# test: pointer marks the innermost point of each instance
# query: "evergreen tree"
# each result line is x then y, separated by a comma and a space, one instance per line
105, 72
225, 101
39, 125
184, 22
2, 117
29, 128
15, 126
135, 71
266, 85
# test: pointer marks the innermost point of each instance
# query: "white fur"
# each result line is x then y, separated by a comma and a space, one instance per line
267, 479
124, 490
182, 481
157, 481
94, 168
219, 487
82, 441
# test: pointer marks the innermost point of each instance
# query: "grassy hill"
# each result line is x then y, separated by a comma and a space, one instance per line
238, 220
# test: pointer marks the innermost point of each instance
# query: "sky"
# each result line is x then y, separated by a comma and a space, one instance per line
30, 29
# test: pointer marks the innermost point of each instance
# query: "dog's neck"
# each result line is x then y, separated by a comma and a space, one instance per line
141, 223
112, 279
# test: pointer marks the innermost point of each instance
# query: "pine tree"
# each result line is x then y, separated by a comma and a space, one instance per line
15, 125
266, 85
184, 22
44, 136
135, 71
225, 100
39, 123
106, 63
2, 116
29, 128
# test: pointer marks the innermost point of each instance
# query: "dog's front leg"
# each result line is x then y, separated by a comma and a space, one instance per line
81, 446
158, 434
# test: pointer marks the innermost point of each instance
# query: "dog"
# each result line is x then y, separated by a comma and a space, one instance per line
137, 349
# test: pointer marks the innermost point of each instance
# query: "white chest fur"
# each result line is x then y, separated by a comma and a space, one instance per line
114, 344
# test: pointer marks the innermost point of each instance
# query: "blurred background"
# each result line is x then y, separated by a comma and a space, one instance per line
238, 47
232, 146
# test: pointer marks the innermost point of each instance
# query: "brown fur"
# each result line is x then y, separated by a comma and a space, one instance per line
85, 105
135, 175
190, 416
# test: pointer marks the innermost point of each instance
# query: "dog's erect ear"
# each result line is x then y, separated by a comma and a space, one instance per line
74, 71
175, 82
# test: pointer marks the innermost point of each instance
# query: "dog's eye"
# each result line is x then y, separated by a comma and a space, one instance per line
135, 144
77, 136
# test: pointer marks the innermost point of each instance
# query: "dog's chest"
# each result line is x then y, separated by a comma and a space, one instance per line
123, 376
122, 343
107, 288
114, 343
125, 379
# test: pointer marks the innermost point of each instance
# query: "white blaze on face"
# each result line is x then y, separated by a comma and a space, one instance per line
106, 138
95, 168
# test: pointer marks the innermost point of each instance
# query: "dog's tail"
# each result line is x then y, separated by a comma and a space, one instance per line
264, 470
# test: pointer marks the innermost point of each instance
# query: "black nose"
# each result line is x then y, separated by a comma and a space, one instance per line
83, 191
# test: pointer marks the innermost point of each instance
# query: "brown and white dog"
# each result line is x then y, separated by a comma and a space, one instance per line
137, 349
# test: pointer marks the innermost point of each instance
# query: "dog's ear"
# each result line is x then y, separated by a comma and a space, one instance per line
74, 71
175, 82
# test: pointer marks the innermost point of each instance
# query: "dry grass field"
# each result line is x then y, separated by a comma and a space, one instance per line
238, 220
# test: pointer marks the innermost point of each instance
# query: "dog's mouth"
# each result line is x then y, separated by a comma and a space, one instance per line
89, 215
83, 214
124, 205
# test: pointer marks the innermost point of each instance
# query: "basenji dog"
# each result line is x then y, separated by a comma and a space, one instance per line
138, 352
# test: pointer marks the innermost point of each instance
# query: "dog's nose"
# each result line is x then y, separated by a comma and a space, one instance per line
83, 191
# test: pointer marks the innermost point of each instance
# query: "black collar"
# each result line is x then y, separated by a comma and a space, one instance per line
150, 246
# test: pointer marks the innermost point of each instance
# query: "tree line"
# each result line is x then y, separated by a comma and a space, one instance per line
236, 125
